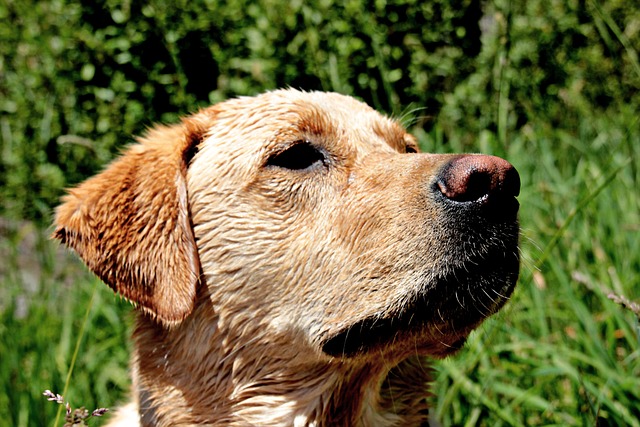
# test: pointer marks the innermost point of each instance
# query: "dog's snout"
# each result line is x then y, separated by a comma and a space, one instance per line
488, 181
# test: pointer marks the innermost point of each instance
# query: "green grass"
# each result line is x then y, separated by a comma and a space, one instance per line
44, 297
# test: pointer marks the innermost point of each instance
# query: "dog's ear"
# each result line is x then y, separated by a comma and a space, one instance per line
131, 223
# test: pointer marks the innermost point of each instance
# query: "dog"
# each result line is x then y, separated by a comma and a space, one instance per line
293, 259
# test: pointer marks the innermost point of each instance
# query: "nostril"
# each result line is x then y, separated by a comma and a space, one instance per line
511, 182
478, 178
472, 186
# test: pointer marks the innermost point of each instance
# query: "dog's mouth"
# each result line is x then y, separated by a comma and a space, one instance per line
438, 319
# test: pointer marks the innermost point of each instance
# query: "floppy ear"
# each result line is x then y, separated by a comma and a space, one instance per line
131, 223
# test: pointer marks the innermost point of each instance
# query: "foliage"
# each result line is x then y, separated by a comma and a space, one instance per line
78, 79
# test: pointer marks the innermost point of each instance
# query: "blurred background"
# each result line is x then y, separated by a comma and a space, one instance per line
551, 85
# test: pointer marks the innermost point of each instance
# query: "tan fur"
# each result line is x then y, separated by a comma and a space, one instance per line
243, 270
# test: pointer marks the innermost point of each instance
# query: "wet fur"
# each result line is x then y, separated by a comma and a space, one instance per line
243, 271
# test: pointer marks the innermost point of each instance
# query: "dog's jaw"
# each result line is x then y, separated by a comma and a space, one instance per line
441, 314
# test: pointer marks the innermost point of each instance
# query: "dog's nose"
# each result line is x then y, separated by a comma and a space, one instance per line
486, 181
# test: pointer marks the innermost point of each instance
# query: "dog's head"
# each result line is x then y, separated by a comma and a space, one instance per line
308, 215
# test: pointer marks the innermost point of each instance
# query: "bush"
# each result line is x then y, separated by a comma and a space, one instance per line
78, 79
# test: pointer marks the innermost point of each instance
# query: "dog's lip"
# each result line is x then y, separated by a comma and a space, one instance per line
493, 209
438, 309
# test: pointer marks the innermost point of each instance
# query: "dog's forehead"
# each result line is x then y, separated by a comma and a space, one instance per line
344, 117
274, 117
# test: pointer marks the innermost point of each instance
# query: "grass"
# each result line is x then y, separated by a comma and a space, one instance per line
561, 353
43, 301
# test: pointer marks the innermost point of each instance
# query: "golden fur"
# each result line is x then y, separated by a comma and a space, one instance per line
285, 294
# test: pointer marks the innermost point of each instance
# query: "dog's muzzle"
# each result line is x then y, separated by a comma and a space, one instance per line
477, 195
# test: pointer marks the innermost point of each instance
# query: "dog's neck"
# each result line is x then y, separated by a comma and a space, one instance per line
205, 380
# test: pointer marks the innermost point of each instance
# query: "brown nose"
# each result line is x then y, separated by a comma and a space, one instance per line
488, 181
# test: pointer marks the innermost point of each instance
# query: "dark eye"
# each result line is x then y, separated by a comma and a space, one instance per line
410, 149
299, 156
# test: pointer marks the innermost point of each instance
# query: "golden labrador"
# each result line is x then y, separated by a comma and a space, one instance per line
292, 258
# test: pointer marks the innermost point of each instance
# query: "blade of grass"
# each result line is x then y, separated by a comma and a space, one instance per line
574, 212
624, 41
476, 391
85, 320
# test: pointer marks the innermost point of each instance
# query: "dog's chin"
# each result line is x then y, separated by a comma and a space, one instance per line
438, 319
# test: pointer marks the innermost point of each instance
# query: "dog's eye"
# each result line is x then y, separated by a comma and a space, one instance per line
410, 149
300, 156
